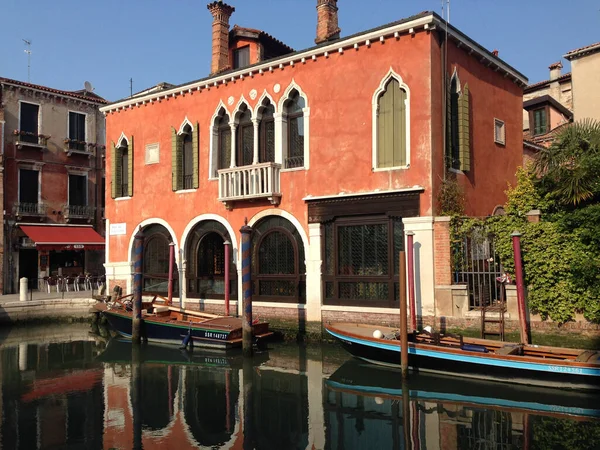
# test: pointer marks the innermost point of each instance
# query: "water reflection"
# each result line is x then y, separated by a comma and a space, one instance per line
86, 393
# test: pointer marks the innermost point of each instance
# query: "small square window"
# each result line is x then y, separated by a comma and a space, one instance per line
499, 132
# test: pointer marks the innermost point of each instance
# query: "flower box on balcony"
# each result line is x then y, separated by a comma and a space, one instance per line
30, 139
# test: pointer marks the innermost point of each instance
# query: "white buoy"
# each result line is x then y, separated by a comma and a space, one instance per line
377, 334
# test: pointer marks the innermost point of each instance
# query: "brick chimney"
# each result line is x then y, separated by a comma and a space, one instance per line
327, 21
555, 70
221, 13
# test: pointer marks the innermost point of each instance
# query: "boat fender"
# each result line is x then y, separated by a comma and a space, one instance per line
187, 340
474, 348
377, 334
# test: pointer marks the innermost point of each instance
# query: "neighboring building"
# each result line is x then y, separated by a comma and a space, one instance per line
329, 153
53, 150
585, 69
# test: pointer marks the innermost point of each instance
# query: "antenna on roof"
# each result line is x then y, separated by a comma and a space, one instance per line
131, 87
28, 51
88, 87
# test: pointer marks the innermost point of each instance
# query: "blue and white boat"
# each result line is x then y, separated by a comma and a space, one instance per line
473, 358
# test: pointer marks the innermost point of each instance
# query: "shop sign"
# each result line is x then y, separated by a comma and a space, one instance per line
118, 229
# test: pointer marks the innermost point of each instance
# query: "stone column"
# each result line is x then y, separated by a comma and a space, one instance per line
255, 123
279, 136
314, 285
233, 127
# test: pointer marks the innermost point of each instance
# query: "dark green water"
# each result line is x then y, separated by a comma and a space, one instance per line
63, 386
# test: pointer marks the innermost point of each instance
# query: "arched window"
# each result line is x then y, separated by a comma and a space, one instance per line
245, 138
156, 261
458, 146
122, 167
123, 189
392, 126
223, 134
266, 133
188, 158
205, 272
453, 125
278, 265
294, 115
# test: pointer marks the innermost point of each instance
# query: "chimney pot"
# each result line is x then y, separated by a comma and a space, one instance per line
495, 53
221, 13
555, 70
327, 21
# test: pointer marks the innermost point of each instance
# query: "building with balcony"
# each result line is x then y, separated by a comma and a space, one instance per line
329, 153
53, 148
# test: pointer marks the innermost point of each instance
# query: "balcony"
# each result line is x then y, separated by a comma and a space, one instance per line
255, 182
73, 146
30, 210
27, 139
79, 212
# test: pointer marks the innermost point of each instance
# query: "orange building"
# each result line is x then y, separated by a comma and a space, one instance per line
329, 153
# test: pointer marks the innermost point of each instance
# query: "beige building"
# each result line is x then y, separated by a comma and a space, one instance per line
585, 70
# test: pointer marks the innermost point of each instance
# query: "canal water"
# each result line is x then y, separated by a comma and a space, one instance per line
69, 386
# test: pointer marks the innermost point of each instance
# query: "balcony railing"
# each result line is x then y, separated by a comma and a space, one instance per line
30, 209
29, 139
258, 181
79, 212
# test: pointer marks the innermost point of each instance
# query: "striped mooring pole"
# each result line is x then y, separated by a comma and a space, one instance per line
247, 289
138, 256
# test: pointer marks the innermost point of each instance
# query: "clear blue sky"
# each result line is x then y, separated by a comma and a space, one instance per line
108, 42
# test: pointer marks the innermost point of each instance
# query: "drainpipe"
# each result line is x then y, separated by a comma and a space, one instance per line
2, 140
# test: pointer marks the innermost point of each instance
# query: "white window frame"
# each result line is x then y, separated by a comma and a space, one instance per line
85, 121
501, 141
39, 105
117, 146
36, 167
281, 141
375, 106
87, 181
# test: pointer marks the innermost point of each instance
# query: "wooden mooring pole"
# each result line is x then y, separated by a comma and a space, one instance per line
138, 255
411, 278
523, 322
247, 289
171, 266
403, 318
227, 246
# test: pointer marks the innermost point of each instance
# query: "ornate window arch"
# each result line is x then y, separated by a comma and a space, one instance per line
458, 118
265, 112
184, 154
220, 135
244, 135
391, 124
295, 135
122, 167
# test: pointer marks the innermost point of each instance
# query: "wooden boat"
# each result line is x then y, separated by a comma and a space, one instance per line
168, 324
360, 378
471, 357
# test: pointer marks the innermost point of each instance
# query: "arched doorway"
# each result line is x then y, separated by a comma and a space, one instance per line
156, 261
205, 274
278, 263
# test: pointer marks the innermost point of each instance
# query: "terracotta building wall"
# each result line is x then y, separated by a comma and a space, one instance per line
339, 89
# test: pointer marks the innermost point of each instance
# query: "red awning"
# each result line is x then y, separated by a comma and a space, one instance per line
63, 237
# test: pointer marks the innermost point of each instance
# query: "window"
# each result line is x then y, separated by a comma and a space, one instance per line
156, 261
77, 190
293, 110
392, 126
266, 134
122, 168
28, 186
499, 132
76, 131
241, 57
360, 261
458, 137
29, 122
223, 140
185, 157
245, 139
540, 121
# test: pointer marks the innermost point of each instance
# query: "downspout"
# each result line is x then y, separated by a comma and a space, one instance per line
444, 60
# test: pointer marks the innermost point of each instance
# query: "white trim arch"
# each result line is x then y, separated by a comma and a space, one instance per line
121, 139
213, 136
185, 123
238, 109
202, 218
143, 224
281, 130
375, 106
259, 105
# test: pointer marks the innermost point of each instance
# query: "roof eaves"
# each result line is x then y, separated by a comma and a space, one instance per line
582, 51
95, 98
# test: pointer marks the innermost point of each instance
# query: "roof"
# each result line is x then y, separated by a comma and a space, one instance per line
426, 20
80, 94
582, 51
562, 79
163, 85
62, 237
541, 139
260, 35
543, 99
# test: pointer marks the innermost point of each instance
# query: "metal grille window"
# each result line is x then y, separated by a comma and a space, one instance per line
360, 261
188, 160
266, 136
295, 122
245, 140
278, 264
205, 272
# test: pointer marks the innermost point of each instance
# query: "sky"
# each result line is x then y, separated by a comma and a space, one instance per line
109, 42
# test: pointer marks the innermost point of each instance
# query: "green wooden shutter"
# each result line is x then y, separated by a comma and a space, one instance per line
448, 149
399, 156
464, 130
385, 127
196, 151
175, 160
130, 171
114, 171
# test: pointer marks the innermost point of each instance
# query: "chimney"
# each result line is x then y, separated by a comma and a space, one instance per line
221, 13
327, 21
495, 53
555, 70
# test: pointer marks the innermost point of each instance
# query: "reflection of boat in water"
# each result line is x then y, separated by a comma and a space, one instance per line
365, 379
473, 358
118, 350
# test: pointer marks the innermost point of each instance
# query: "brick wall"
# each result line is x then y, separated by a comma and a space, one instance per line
441, 251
